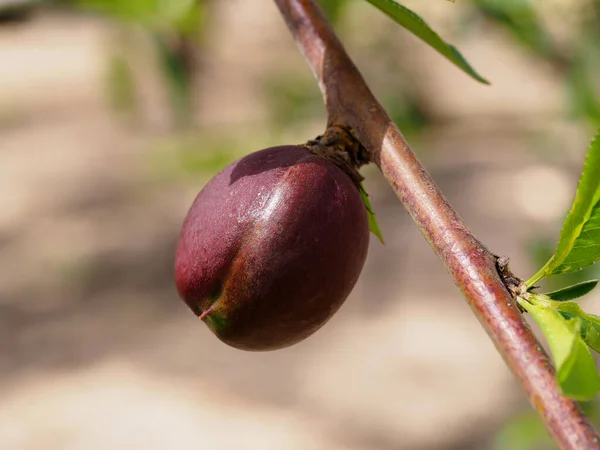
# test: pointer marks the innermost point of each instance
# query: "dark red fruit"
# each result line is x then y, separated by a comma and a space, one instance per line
271, 248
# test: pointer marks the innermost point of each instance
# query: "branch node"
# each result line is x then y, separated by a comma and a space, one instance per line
515, 285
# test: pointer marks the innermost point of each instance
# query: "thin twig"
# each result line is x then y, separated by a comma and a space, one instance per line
350, 103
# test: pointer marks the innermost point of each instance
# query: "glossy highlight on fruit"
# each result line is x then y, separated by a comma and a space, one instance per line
271, 248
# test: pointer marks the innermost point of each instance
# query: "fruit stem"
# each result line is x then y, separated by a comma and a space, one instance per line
538, 276
339, 146
350, 103
205, 313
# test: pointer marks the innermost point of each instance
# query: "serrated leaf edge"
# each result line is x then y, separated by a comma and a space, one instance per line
544, 272
595, 199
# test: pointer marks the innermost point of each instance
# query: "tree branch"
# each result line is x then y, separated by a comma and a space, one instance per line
349, 102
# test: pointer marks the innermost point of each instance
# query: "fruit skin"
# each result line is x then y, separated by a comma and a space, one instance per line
273, 245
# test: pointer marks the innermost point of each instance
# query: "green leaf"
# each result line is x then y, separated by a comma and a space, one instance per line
582, 381
575, 367
579, 242
417, 26
590, 323
592, 336
373, 225
572, 292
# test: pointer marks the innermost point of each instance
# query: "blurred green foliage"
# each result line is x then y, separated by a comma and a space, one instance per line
524, 431
176, 28
192, 154
408, 111
521, 21
200, 154
177, 62
122, 92
150, 13
292, 99
576, 59
334, 9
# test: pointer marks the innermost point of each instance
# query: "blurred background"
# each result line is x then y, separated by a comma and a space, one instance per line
114, 114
